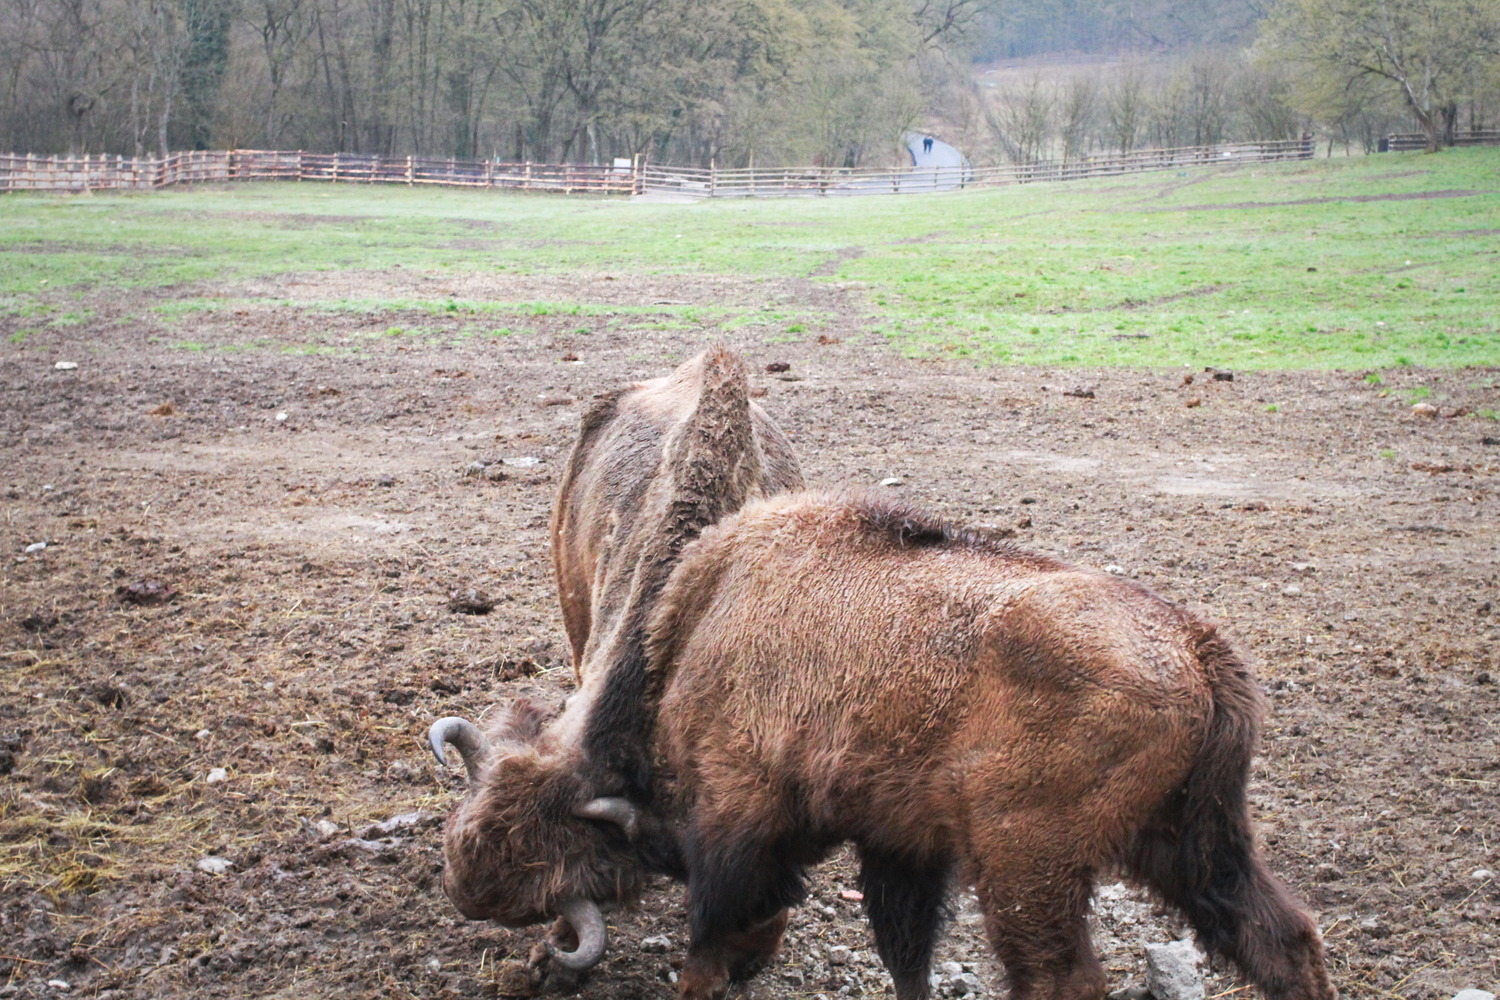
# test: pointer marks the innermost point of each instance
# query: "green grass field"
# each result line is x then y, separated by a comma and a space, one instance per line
1365, 263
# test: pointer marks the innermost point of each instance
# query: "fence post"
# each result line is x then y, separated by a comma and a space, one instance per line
409, 175
713, 177
638, 175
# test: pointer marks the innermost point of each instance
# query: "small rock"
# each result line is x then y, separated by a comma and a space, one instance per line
215, 865
570, 356
1291, 590
1080, 393
435, 964
838, 955
893, 481
1304, 568
476, 468
1131, 993
203, 734
1172, 971
281, 417
65, 366
966, 985
470, 602
325, 828
776, 367
852, 895
403, 821
1114, 569
1473, 995
1195, 401
1373, 927
35, 547
523, 461
1481, 874
951, 969
658, 945
146, 592
64, 986
1424, 410
1221, 375
217, 775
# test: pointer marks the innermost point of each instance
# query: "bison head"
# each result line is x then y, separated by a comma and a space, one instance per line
531, 841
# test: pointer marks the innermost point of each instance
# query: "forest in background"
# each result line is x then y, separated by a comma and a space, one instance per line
736, 82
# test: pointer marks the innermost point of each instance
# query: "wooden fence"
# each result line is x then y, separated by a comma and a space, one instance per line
1402, 142
722, 183
118, 173
107, 173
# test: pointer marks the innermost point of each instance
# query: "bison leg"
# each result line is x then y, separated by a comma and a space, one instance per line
904, 900
1035, 898
738, 894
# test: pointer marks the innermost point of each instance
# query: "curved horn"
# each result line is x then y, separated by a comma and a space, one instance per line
463, 734
621, 812
588, 923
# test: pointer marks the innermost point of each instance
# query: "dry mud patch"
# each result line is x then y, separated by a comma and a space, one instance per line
265, 703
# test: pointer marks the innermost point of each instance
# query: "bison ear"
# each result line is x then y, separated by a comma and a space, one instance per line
521, 722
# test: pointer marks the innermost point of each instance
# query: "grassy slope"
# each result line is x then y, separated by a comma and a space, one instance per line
1348, 263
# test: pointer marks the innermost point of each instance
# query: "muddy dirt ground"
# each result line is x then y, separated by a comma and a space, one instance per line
216, 676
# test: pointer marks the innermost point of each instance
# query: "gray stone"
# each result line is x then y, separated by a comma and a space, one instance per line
215, 865
1473, 995
967, 985
893, 481
657, 945
951, 969
1172, 971
838, 955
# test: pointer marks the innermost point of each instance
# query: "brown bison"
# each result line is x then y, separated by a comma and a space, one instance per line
654, 464
843, 669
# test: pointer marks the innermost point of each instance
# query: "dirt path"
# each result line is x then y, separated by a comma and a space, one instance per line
1348, 545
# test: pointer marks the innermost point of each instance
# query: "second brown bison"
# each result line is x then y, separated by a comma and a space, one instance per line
830, 669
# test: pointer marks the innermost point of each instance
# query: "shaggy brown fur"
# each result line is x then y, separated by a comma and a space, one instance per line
630, 448
654, 464
835, 669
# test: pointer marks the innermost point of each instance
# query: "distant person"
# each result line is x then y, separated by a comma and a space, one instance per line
927, 145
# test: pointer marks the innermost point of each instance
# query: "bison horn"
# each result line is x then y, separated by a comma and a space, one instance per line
619, 811
471, 744
588, 923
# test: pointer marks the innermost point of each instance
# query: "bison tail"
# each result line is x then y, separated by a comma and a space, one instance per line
1199, 850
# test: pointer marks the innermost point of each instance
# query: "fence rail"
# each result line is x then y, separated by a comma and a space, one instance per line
698, 182
106, 173
118, 173
1404, 142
